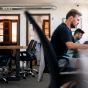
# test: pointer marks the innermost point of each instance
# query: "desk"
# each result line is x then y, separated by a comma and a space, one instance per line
13, 47
17, 48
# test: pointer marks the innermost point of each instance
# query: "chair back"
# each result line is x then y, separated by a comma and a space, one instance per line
31, 50
50, 53
4, 60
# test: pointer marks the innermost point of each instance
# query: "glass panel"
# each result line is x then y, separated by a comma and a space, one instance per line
1, 28
14, 31
47, 32
46, 28
1, 25
46, 24
1, 31
1, 38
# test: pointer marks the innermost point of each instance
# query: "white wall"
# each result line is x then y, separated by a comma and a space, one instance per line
56, 19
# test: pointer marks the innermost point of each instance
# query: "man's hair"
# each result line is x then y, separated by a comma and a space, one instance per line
73, 12
78, 31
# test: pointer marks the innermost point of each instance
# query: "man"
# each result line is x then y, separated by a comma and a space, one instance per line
78, 34
62, 40
73, 53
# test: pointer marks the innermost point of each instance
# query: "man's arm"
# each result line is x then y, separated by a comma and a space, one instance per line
72, 45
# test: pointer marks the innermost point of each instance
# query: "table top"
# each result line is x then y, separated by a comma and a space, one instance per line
13, 47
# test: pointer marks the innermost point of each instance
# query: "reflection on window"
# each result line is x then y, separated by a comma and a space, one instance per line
1, 31
14, 31
1, 38
46, 28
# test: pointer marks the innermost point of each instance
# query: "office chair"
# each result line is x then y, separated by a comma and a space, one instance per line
28, 56
55, 73
5, 64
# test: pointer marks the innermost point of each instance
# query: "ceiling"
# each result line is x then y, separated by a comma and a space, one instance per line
30, 2
36, 4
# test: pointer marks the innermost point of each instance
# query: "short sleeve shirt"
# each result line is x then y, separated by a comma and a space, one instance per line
61, 35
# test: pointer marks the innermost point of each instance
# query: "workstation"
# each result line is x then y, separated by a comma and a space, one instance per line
17, 30
17, 55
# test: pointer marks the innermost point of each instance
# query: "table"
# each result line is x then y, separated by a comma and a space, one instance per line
17, 48
13, 47
74, 76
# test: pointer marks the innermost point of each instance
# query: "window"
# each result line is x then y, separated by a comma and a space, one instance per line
43, 20
9, 24
1, 31
46, 28
14, 31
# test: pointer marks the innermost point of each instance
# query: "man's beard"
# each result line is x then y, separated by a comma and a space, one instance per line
73, 26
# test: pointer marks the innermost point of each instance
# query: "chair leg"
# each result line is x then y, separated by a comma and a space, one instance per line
28, 70
5, 80
23, 75
35, 70
32, 71
23, 72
